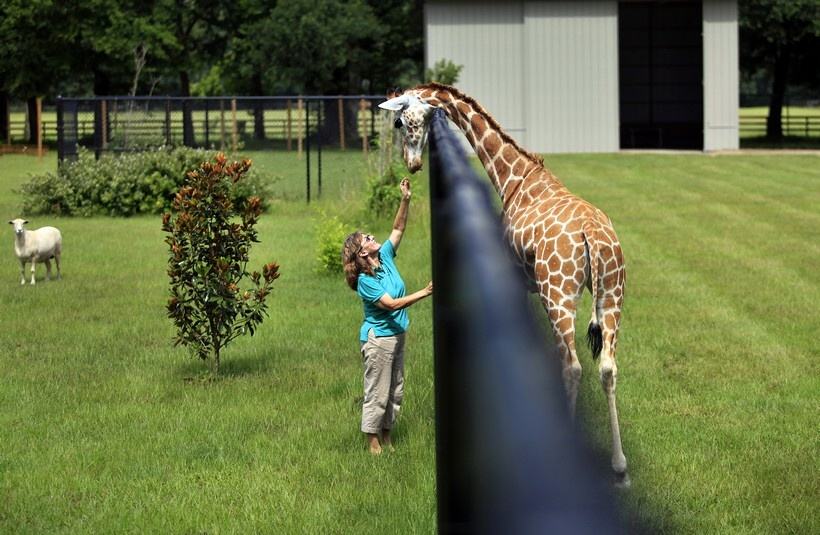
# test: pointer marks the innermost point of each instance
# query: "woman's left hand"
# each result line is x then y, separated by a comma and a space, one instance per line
405, 188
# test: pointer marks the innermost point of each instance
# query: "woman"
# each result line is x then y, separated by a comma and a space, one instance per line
372, 273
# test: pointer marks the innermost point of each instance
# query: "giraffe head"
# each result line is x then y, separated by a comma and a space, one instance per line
412, 119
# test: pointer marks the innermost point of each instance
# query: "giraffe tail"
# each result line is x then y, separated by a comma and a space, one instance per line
595, 337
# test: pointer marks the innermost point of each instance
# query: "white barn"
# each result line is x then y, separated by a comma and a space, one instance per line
596, 75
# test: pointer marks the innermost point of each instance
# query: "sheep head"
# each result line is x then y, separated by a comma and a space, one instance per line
19, 229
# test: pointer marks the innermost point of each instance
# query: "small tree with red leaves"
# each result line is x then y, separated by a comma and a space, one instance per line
209, 240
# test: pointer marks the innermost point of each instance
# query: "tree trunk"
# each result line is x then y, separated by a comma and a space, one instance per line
774, 128
187, 114
102, 87
330, 128
258, 107
31, 103
5, 125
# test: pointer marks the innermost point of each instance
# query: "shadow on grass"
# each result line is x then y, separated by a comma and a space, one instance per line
197, 371
787, 142
639, 510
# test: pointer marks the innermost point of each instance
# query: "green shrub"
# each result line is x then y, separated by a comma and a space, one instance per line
383, 193
330, 235
444, 72
124, 185
210, 237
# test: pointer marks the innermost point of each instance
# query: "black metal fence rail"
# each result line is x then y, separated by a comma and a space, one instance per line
117, 124
507, 458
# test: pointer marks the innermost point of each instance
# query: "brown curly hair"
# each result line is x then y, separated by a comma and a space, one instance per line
352, 263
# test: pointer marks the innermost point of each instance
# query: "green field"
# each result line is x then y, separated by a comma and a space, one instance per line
106, 428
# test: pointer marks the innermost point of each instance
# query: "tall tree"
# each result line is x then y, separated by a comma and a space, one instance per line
32, 55
783, 37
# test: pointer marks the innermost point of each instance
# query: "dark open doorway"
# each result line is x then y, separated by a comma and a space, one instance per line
660, 49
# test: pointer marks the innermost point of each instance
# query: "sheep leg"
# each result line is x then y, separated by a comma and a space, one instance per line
57, 262
22, 271
33, 265
48, 269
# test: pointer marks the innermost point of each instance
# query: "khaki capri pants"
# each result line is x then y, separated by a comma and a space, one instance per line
383, 360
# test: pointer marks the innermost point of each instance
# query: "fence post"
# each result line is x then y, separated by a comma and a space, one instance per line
104, 124
5, 118
341, 125
168, 122
235, 131
60, 135
221, 124
307, 147
508, 459
362, 108
288, 128
299, 105
319, 148
38, 119
187, 124
207, 124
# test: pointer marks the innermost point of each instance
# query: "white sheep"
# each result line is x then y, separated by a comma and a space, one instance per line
34, 246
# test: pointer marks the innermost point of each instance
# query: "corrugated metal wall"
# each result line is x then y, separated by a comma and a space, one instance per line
548, 70
721, 99
572, 76
486, 38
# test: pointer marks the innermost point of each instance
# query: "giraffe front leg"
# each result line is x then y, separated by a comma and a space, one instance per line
608, 370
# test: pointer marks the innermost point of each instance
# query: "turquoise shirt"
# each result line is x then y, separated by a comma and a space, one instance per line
387, 280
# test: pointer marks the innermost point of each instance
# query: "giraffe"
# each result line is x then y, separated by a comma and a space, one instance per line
562, 242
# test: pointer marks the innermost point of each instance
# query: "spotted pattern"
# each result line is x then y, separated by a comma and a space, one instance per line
563, 243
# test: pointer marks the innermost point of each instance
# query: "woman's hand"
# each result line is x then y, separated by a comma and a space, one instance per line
429, 288
405, 189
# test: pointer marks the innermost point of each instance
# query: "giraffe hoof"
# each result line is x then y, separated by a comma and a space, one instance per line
622, 481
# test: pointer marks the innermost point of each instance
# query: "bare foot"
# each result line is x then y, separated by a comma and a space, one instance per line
373, 443
387, 443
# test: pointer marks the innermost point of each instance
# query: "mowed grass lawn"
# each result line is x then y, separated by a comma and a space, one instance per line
107, 428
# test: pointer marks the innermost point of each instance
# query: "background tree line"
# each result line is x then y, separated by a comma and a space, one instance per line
263, 47
206, 47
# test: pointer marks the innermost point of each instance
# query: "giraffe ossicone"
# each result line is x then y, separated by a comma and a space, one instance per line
563, 243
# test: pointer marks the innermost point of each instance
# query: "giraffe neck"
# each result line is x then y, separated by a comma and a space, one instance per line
505, 162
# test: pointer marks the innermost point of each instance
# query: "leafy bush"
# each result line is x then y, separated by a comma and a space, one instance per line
124, 185
330, 234
383, 193
386, 171
209, 240
444, 71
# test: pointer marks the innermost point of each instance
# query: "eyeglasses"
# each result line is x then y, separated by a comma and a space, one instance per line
367, 238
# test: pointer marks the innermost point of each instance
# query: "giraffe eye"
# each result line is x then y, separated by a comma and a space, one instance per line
398, 123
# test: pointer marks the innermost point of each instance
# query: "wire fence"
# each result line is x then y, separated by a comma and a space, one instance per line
230, 123
120, 124
507, 457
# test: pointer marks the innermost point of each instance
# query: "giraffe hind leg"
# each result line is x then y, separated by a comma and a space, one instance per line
608, 370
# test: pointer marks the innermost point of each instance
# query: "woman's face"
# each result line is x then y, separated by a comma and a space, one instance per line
368, 245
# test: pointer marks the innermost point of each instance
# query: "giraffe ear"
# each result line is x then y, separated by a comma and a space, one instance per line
395, 104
